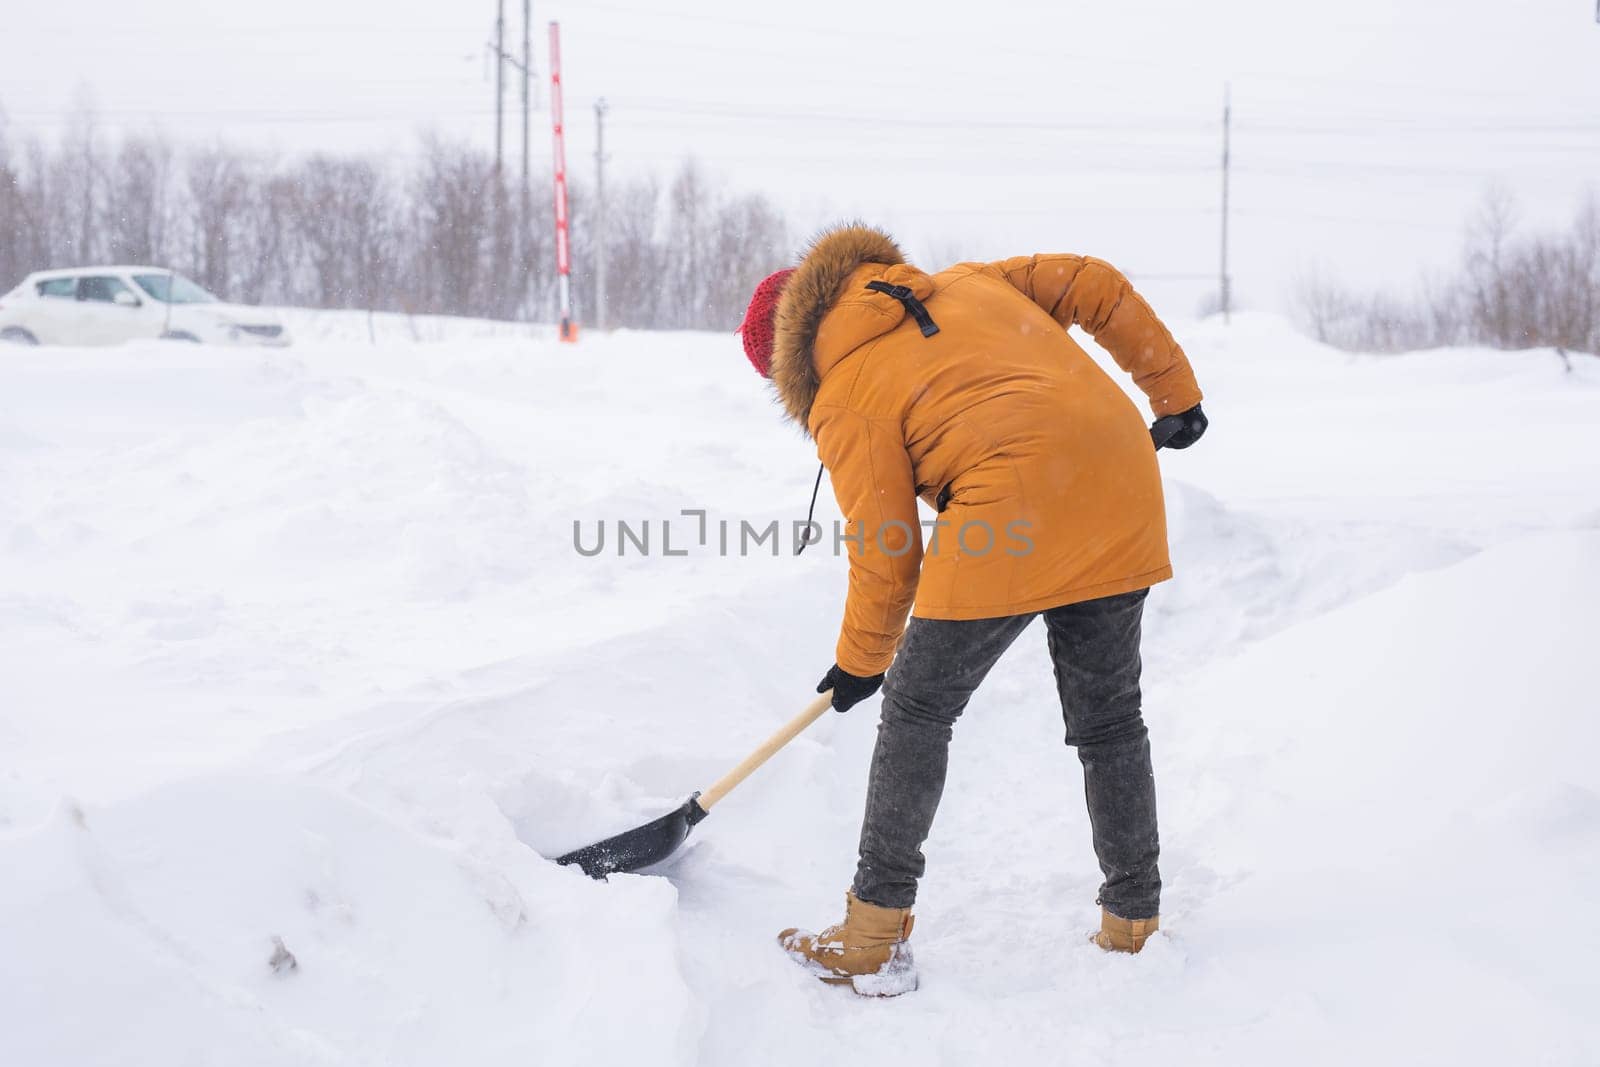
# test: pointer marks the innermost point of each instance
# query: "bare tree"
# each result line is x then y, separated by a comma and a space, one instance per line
747, 240
344, 227
636, 260
136, 213
452, 209
1322, 307
535, 266
81, 174
689, 203
1487, 278
12, 216
1583, 278
51, 220
346, 231
1511, 292
263, 265
217, 187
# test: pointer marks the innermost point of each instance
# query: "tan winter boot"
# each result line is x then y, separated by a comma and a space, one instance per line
868, 951
1124, 935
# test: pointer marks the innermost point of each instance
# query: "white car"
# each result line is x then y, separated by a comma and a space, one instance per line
110, 305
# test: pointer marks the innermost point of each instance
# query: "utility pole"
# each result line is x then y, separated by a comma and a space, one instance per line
525, 207
527, 70
600, 315
522, 230
499, 84
1227, 131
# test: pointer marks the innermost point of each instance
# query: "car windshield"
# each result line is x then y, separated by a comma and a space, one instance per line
173, 289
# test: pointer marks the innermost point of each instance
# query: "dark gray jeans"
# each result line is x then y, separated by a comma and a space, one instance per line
1095, 646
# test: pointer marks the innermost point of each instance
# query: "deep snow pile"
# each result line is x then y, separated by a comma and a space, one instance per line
297, 646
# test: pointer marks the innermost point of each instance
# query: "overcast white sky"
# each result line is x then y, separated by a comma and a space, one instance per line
1365, 130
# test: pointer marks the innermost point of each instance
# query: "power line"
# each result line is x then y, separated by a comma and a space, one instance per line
780, 30
603, 33
788, 153
1056, 57
1333, 125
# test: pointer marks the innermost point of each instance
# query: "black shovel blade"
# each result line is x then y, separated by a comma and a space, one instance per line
639, 847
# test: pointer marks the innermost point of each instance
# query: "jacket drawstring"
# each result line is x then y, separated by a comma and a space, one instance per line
918, 310
812, 510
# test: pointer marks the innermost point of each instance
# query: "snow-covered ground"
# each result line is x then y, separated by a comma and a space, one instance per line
296, 645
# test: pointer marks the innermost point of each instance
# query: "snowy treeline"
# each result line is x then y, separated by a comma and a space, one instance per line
1510, 291
429, 233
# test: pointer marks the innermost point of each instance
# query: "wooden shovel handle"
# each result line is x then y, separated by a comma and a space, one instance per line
791, 730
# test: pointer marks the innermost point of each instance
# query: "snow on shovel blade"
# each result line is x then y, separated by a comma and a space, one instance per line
655, 841
639, 847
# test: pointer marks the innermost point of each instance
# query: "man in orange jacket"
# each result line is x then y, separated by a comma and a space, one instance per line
964, 390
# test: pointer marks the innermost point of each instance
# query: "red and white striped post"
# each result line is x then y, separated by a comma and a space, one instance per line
569, 329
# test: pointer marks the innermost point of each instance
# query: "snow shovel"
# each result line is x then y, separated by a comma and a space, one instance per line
656, 840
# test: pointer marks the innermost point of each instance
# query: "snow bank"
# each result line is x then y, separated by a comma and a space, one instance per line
1400, 797
251, 920
298, 647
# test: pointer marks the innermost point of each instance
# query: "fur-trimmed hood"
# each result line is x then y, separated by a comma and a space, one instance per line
814, 290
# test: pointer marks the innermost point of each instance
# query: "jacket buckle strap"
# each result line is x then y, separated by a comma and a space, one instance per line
915, 307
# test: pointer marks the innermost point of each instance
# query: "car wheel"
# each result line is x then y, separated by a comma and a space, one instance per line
180, 335
18, 336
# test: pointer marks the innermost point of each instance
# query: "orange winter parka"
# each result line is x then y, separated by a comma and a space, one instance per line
1040, 469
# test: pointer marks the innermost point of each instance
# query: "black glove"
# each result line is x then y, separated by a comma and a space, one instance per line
1181, 430
848, 690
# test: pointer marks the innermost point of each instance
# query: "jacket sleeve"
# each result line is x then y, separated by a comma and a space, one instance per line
1091, 293
872, 480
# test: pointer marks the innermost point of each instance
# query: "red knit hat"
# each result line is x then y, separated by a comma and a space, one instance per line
757, 329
